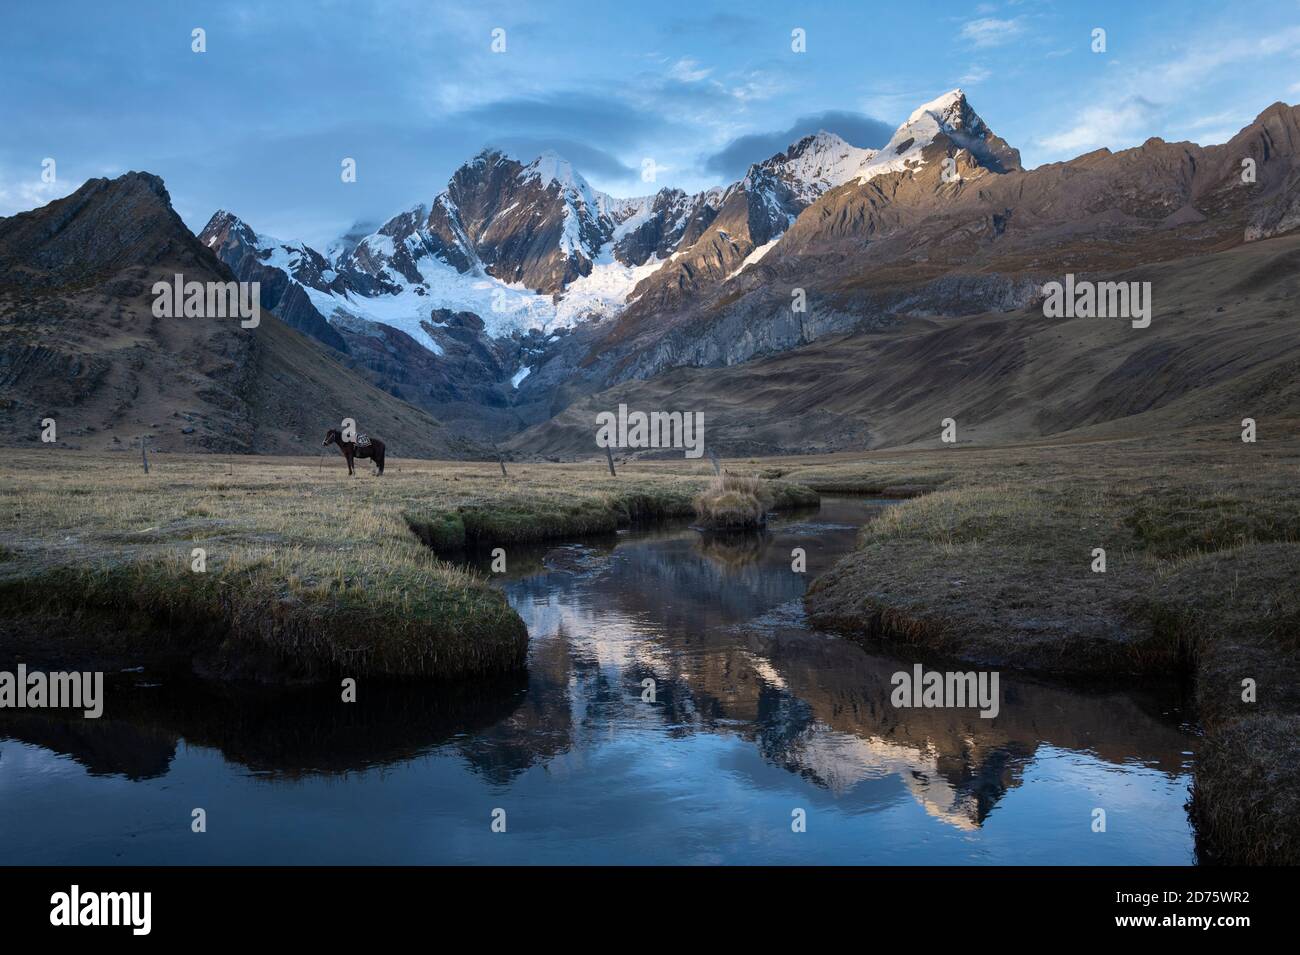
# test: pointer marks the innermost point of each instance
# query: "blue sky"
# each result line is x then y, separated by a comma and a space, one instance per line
260, 123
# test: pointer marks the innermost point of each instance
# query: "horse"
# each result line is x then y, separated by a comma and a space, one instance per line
374, 450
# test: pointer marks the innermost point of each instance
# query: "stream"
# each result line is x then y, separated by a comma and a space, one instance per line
676, 709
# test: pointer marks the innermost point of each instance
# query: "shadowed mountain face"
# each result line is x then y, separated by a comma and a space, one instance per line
105, 227
455, 371
81, 343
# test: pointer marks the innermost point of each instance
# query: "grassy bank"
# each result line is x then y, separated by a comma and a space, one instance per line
318, 572
1202, 544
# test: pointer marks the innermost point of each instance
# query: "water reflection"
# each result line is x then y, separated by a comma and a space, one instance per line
273, 732
716, 621
753, 714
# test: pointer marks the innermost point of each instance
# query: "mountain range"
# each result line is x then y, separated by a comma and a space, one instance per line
80, 344
519, 301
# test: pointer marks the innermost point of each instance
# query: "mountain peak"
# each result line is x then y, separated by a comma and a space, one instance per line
823, 139
950, 106
222, 219
66, 240
815, 164
949, 120
550, 166
131, 182
222, 226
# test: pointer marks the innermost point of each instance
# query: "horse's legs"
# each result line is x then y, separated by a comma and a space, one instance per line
349, 457
379, 463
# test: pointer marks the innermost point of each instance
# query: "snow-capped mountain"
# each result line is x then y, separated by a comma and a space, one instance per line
531, 247
751, 216
525, 245
946, 121
661, 224
295, 279
818, 163
477, 305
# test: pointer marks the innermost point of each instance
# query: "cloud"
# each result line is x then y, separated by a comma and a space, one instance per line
990, 31
20, 195
1225, 118
1121, 118
1196, 64
855, 128
975, 74
588, 160
1100, 126
687, 70
752, 85
571, 115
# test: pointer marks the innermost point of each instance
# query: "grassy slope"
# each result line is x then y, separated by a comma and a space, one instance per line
300, 388
1222, 336
302, 561
1202, 540
108, 372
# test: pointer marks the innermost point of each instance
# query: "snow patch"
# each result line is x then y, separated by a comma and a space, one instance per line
754, 256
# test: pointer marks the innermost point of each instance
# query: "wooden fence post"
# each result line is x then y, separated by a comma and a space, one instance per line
501, 461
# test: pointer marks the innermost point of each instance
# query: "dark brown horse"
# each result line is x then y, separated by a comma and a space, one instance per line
374, 450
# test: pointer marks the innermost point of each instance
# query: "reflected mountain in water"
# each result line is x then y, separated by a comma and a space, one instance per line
753, 713
716, 621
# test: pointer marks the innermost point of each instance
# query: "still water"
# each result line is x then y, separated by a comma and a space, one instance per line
755, 716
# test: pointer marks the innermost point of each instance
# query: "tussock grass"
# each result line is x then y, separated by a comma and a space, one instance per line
733, 502
1180, 521
960, 516
882, 478
1247, 794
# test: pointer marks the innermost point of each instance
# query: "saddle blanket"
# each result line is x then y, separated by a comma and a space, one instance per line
362, 440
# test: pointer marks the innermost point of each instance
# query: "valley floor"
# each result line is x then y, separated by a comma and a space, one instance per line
991, 561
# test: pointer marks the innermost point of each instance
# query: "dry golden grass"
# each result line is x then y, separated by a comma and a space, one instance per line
325, 569
733, 502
